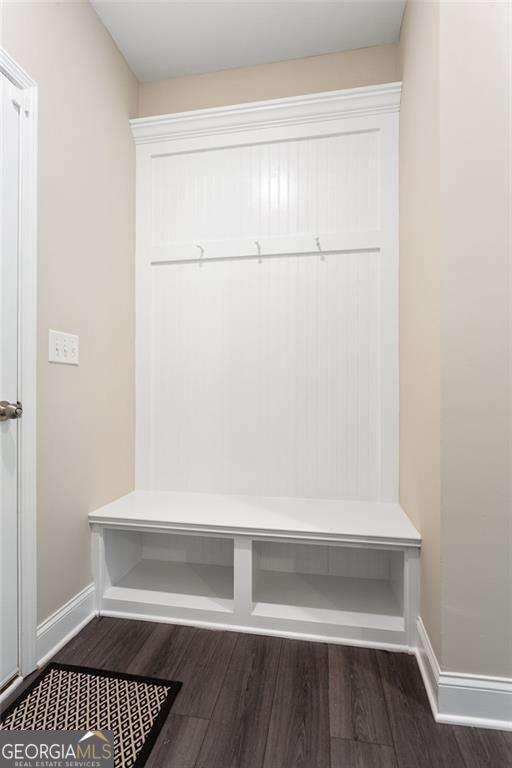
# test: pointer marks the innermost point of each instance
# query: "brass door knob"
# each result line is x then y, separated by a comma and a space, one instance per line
10, 410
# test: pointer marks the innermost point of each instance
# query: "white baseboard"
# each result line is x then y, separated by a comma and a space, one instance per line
250, 630
462, 699
10, 688
455, 697
64, 623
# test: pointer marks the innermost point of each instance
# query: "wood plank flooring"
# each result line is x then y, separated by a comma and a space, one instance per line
250, 701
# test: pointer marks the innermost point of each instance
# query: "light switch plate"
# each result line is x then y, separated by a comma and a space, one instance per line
63, 348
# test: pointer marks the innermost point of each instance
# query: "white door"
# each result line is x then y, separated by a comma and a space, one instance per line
9, 424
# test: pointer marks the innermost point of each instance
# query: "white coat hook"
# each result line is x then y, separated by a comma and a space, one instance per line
318, 245
201, 253
258, 246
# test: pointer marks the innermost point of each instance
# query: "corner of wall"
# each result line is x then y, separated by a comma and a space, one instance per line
419, 296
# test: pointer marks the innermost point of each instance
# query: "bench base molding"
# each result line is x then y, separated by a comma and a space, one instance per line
250, 630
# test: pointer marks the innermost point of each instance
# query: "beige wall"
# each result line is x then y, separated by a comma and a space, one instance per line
86, 95
366, 66
419, 296
455, 359
475, 343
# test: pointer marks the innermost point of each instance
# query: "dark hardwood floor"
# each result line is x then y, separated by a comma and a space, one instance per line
262, 702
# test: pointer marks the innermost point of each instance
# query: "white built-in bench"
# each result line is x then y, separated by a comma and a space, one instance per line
343, 571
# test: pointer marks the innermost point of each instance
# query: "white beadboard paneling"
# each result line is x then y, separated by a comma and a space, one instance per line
351, 562
187, 549
266, 377
273, 376
291, 558
328, 184
364, 563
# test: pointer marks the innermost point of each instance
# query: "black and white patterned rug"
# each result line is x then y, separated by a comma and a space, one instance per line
65, 697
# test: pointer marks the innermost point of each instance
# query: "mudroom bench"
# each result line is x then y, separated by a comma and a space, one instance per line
337, 571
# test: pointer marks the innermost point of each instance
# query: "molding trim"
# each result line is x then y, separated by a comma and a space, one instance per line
462, 699
252, 630
9, 690
27, 355
295, 110
374, 542
14, 72
55, 631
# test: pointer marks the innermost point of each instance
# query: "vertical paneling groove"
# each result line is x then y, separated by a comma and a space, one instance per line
266, 377
305, 186
269, 377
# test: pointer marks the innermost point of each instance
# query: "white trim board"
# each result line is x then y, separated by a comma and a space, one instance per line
463, 699
274, 113
11, 687
27, 355
58, 629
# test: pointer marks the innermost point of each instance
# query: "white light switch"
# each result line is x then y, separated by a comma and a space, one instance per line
63, 348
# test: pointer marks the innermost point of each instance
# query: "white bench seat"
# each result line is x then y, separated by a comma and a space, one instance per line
336, 520
333, 570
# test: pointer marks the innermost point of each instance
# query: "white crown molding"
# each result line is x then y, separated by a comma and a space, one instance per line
14, 72
462, 699
295, 110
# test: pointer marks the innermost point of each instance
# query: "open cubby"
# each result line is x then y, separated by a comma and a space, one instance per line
170, 569
339, 571
328, 584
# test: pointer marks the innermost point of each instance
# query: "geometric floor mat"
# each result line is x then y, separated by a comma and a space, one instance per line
66, 697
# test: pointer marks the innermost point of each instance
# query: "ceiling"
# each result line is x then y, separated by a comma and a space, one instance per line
168, 39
